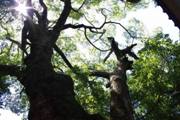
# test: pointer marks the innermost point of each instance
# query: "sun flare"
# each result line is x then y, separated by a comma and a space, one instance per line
22, 9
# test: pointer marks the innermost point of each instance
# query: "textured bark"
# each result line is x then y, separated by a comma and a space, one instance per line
120, 107
51, 95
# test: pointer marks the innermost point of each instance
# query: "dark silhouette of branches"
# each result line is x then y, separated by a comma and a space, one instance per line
85, 33
44, 13
63, 17
100, 74
12, 70
17, 43
60, 52
77, 10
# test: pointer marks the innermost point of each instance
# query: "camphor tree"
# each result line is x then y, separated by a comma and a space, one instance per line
43, 27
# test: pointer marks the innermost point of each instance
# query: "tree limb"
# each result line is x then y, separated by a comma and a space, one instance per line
121, 53
108, 55
17, 43
93, 44
63, 17
12, 70
77, 10
44, 13
66, 26
60, 52
100, 74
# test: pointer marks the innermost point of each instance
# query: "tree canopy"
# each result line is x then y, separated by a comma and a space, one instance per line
60, 49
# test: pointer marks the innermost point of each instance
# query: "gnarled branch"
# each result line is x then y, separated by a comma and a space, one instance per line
121, 53
63, 17
85, 33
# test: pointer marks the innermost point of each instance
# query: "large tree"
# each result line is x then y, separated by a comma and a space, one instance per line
51, 94
43, 27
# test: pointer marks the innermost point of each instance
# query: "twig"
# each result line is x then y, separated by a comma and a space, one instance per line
77, 10
85, 33
17, 43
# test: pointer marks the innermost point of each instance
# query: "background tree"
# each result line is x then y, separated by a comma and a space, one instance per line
154, 81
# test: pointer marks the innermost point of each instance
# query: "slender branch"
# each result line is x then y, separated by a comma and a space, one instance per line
100, 74
24, 36
77, 10
14, 41
60, 52
85, 33
84, 26
110, 22
12, 70
17, 43
96, 28
111, 51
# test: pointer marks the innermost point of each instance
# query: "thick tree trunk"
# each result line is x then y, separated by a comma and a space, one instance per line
51, 95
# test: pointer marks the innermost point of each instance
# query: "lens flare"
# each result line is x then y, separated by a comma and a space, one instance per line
22, 9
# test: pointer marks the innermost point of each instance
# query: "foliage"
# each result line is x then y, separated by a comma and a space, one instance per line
155, 79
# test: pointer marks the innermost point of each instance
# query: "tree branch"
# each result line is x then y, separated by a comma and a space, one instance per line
63, 17
60, 52
66, 26
12, 70
100, 74
44, 13
17, 43
108, 55
77, 10
93, 44
121, 53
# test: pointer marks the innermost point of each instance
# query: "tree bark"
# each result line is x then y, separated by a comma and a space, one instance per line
51, 95
120, 107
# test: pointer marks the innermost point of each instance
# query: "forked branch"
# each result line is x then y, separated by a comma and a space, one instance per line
63, 17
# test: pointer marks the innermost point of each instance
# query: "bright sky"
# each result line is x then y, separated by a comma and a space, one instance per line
152, 17
8, 115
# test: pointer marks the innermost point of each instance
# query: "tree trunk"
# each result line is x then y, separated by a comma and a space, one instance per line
51, 95
120, 107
